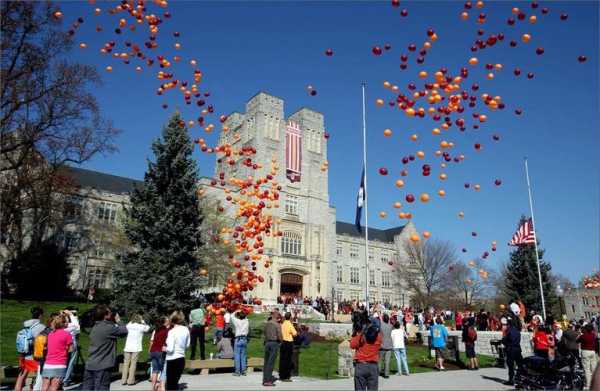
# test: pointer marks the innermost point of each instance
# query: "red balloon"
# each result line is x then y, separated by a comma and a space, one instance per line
410, 198
564, 16
329, 52
395, 3
581, 58
376, 50
404, 12
383, 171
539, 51
497, 182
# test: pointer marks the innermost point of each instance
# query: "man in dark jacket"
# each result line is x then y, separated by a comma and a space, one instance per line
512, 343
103, 349
273, 337
385, 351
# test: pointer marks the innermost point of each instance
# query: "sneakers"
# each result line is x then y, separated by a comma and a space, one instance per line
268, 384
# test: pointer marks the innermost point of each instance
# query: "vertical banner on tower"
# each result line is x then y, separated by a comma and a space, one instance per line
293, 151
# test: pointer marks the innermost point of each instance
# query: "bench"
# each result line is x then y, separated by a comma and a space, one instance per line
206, 365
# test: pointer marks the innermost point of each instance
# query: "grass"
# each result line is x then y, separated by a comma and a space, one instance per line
319, 360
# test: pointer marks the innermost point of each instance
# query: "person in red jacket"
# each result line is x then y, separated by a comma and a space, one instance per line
366, 344
541, 344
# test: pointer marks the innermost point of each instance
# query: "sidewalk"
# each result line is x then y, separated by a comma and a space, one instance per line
484, 379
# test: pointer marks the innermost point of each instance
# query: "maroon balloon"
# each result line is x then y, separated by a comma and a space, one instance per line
581, 58
477, 146
545, 10
313, 92
387, 46
518, 111
496, 137
467, 185
403, 57
513, 43
539, 51
383, 171
517, 71
410, 198
395, 3
497, 182
412, 47
564, 16
473, 233
510, 21
377, 50
464, 250
403, 66
329, 52
326, 135
530, 75
404, 12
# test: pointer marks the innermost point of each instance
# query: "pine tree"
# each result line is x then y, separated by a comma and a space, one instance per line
162, 223
522, 282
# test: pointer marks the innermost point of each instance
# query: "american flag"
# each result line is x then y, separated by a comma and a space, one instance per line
293, 151
524, 235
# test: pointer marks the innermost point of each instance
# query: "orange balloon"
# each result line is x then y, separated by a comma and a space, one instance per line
473, 61
525, 38
464, 15
426, 234
422, 75
379, 102
420, 154
443, 176
386, 84
414, 238
441, 192
399, 183
424, 197
532, 19
382, 214
387, 132
414, 137
436, 131
397, 205
109, 69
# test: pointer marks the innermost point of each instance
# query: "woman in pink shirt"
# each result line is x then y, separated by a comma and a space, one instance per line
60, 342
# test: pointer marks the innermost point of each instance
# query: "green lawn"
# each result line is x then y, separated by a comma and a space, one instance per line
319, 360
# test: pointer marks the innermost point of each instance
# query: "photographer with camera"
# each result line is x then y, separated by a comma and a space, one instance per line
366, 341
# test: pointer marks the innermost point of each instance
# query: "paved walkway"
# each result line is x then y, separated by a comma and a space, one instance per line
484, 379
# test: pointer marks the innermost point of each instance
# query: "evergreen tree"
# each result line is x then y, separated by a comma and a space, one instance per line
163, 223
522, 282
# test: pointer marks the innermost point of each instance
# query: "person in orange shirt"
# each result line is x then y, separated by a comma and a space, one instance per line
366, 344
219, 326
288, 332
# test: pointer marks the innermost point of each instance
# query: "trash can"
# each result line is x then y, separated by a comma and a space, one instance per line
296, 360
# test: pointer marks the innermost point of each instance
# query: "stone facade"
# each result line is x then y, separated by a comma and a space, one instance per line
582, 303
317, 255
482, 345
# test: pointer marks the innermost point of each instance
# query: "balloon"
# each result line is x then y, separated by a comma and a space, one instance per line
582, 58
443, 176
399, 183
410, 198
387, 132
532, 19
426, 234
329, 52
414, 137
83, 45
376, 50
473, 61
379, 102
441, 193
464, 15
420, 154
404, 13
477, 187
461, 214
424, 197
473, 233
472, 263
58, 14
564, 17
414, 238
395, 3
422, 75
109, 69
525, 38
382, 214
383, 171
497, 182
539, 51
397, 205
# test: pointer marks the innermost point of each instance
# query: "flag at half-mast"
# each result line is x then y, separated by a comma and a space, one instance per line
524, 235
360, 201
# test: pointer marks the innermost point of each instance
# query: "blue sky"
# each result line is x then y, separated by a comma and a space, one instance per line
246, 47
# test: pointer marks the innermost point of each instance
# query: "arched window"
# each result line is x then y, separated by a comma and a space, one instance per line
291, 243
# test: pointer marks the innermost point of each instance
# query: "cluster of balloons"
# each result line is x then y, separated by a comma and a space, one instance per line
592, 282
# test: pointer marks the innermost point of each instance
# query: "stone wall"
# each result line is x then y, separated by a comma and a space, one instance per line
482, 345
304, 311
331, 330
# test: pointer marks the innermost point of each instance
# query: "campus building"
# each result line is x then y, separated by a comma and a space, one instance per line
317, 255
582, 303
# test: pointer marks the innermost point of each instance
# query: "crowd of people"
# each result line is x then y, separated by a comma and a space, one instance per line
320, 304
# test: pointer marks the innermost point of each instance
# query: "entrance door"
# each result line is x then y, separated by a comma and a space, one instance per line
291, 284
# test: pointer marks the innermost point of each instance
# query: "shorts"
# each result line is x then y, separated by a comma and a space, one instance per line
470, 351
50, 373
27, 364
158, 361
440, 353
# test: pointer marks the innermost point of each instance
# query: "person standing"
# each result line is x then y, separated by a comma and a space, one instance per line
74, 329
158, 342
178, 340
219, 325
540, 342
272, 333
587, 340
242, 329
60, 343
366, 344
439, 334
512, 344
288, 332
31, 329
398, 342
458, 320
469, 336
197, 331
385, 351
102, 350
133, 346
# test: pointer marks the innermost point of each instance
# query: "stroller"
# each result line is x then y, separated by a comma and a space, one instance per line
538, 373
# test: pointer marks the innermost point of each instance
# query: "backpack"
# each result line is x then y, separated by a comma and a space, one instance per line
24, 340
39, 346
472, 334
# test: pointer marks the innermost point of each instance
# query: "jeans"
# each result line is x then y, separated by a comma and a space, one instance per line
285, 360
197, 335
513, 355
401, 360
239, 354
384, 358
218, 333
271, 349
96, 380
174, 370
366, 376
129, 366
158, 361
71, 363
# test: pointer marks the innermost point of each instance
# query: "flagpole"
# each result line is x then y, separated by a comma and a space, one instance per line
366, 198
537, 257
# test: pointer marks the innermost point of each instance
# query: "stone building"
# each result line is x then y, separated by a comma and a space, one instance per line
317, 255
582, 303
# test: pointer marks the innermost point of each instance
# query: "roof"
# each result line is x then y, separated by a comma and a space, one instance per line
101, 181
383, 235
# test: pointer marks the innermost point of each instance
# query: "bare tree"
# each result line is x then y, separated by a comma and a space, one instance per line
465, 283
49, 118
427, 270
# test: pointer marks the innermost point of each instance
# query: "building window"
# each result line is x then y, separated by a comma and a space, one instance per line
338, 296
71, 241
585, 300
338, 250
291, 243
354, 251
371, 256
385, 279
573, 308
385, 299
291, 205
97, 277
385, 258
354, 277
340, 274
371, 277
107, 212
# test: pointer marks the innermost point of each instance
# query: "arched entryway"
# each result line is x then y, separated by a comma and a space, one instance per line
291, 284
